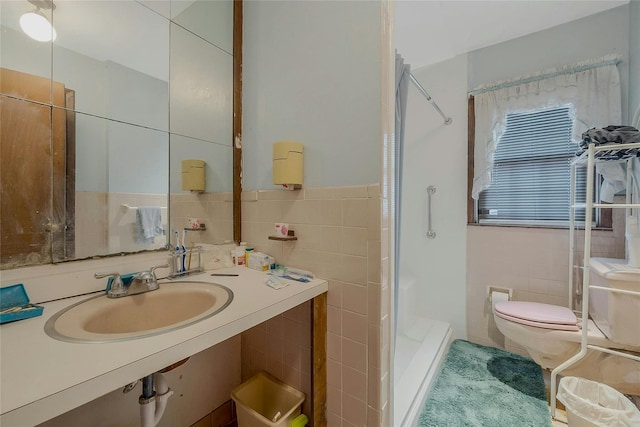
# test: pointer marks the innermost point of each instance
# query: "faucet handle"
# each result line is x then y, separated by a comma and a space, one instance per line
153, 269
148, 277
117, 286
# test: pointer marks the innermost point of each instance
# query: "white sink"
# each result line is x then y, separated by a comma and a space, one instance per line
175, 305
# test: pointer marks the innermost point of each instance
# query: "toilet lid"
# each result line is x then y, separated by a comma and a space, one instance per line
537, 312
555, 326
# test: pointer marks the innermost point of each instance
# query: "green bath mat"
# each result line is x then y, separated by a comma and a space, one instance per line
486, 387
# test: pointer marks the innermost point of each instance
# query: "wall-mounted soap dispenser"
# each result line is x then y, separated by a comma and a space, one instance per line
193, 177
288, 159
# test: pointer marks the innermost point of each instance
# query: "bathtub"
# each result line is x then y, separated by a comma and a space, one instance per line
419, 350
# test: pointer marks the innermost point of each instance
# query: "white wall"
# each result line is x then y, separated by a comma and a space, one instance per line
312, 74
436, 154
566, 44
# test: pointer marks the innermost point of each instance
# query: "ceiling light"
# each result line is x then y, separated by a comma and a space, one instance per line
36, 25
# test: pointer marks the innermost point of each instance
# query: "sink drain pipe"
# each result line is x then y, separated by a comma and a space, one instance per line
153, 400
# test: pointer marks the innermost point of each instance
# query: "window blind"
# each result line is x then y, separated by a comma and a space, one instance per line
531, 175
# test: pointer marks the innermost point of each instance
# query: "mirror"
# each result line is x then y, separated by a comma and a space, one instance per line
96, 123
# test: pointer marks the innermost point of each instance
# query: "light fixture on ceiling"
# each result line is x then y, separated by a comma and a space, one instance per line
36, 25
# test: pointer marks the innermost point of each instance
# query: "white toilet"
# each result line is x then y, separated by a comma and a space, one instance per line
551, 334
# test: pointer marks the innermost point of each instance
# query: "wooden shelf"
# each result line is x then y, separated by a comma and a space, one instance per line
283, 238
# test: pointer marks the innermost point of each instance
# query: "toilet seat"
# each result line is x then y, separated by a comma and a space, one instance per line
537, 314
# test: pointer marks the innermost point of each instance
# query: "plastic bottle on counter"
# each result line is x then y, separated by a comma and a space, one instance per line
247, 252
238, 254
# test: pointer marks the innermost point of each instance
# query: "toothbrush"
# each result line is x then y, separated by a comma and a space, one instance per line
184, 251
177, 257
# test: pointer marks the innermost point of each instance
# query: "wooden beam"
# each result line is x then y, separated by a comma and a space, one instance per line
471, 136
237, 120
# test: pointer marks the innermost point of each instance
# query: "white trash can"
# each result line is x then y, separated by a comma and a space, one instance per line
264, 401
593, 404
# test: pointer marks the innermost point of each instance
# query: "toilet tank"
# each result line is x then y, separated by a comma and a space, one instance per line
616, 315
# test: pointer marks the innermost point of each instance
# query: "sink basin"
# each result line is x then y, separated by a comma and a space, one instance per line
175, 305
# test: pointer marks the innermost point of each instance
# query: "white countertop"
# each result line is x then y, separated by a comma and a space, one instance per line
43, 377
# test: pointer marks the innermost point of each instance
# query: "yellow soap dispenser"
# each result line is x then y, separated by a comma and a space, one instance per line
288, 162
193, 175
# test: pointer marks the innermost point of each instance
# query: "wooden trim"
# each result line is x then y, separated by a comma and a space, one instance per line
471, 140
237, 120
70, 213
57, 218
319, 362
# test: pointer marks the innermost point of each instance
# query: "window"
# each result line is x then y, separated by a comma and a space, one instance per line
531, 171
520, 141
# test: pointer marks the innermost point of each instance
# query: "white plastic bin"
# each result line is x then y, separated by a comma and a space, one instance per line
260, 399
593, 404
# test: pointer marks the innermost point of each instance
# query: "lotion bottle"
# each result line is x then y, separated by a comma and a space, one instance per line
240, 256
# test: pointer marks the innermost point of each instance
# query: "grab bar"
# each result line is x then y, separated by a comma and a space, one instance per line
430, 191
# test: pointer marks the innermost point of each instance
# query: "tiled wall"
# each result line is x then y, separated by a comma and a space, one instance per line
90, 222
121, 219
104, 224
282, 347
214, 209
339, 239
534, 262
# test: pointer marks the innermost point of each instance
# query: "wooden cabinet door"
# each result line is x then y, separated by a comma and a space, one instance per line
32, 168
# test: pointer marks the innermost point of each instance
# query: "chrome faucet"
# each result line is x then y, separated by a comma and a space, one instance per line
117, 287
144, 281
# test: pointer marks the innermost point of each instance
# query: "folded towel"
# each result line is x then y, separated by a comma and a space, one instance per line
611, 135
148, 224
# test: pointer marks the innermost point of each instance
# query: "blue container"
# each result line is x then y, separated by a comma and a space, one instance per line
15, 305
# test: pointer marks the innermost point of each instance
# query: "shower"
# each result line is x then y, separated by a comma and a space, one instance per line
419, 342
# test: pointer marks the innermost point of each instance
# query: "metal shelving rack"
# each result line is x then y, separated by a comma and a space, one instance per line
589, 158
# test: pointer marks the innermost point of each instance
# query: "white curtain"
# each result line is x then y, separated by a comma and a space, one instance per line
591, 88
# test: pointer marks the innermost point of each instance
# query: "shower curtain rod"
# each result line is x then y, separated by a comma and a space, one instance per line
447, 120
